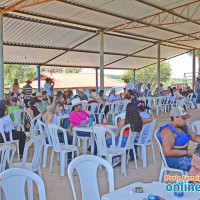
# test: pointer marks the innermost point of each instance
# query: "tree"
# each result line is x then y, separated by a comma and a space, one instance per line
21, 72
149, 74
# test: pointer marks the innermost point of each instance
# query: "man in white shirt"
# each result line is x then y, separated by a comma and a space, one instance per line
129, 85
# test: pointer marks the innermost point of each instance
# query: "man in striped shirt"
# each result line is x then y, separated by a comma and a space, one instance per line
27, 92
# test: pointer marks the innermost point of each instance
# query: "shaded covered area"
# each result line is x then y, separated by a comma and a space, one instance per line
98, 34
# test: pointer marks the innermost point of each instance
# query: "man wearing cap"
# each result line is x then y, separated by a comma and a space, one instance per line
129, 85
27, 92
81, 95
197, 89
174, 138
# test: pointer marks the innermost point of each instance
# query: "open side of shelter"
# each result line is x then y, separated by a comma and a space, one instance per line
96, 34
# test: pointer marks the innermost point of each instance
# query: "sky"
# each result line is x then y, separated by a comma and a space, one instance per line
179, 65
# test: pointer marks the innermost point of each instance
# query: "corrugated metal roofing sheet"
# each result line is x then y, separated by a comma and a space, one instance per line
47, 33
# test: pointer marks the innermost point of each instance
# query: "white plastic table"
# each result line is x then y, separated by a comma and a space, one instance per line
90, 130
155, 188
61, 116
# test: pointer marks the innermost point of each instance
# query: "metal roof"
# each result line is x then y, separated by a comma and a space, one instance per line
66, 32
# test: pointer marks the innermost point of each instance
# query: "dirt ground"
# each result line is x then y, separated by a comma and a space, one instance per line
59, 188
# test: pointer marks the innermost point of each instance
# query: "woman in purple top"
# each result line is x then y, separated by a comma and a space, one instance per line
78, 116
17, 135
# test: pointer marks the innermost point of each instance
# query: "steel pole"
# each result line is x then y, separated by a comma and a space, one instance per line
38, 67
97, 81
134, 78
1, 59
158, 68
193, 68
102, 60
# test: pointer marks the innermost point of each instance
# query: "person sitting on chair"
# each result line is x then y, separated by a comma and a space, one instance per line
175, 137
17, 135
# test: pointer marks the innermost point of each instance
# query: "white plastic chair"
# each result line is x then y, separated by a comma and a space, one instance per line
129, 143
34, 165
2, 124
164, 168
44, 130
100, 113
61, 148
158, 105
115, 109
189, 101
13, 184
148, 141
18, 119
119, 117
113, 150
33, 124
92, 108
124, 104
196, 127
7, 152
86, 166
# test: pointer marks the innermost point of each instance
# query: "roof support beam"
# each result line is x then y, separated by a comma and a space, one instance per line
146, 39
84, 41
170, 11
72, 50
14, 7
113, 14
155, 20
130, 55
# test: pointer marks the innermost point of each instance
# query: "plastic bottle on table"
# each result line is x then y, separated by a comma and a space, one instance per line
91, 120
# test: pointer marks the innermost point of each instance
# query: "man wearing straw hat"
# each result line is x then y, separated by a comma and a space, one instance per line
27, 92
129, 85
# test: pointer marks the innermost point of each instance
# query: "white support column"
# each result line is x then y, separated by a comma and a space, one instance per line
1, 59
193, 68
158, 69
101, 60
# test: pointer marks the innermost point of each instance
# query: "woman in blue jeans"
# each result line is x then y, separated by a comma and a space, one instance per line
175, 137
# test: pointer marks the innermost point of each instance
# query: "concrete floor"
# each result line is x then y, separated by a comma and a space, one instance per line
58, 187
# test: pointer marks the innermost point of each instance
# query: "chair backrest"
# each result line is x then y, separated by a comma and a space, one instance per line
196, 127
18, 116
44, 130
119, 117
189, 98
160, 148
100, 138
131, 137
38, 142
4, 123
86, 167
150, 126
158, 101
117, 106
93, 107
54, 130
7, 152
125, 103
14, 180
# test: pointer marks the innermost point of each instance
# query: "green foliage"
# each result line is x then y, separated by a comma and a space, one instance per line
116, 77
24, 72
149, 74
58, 70
21, 72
